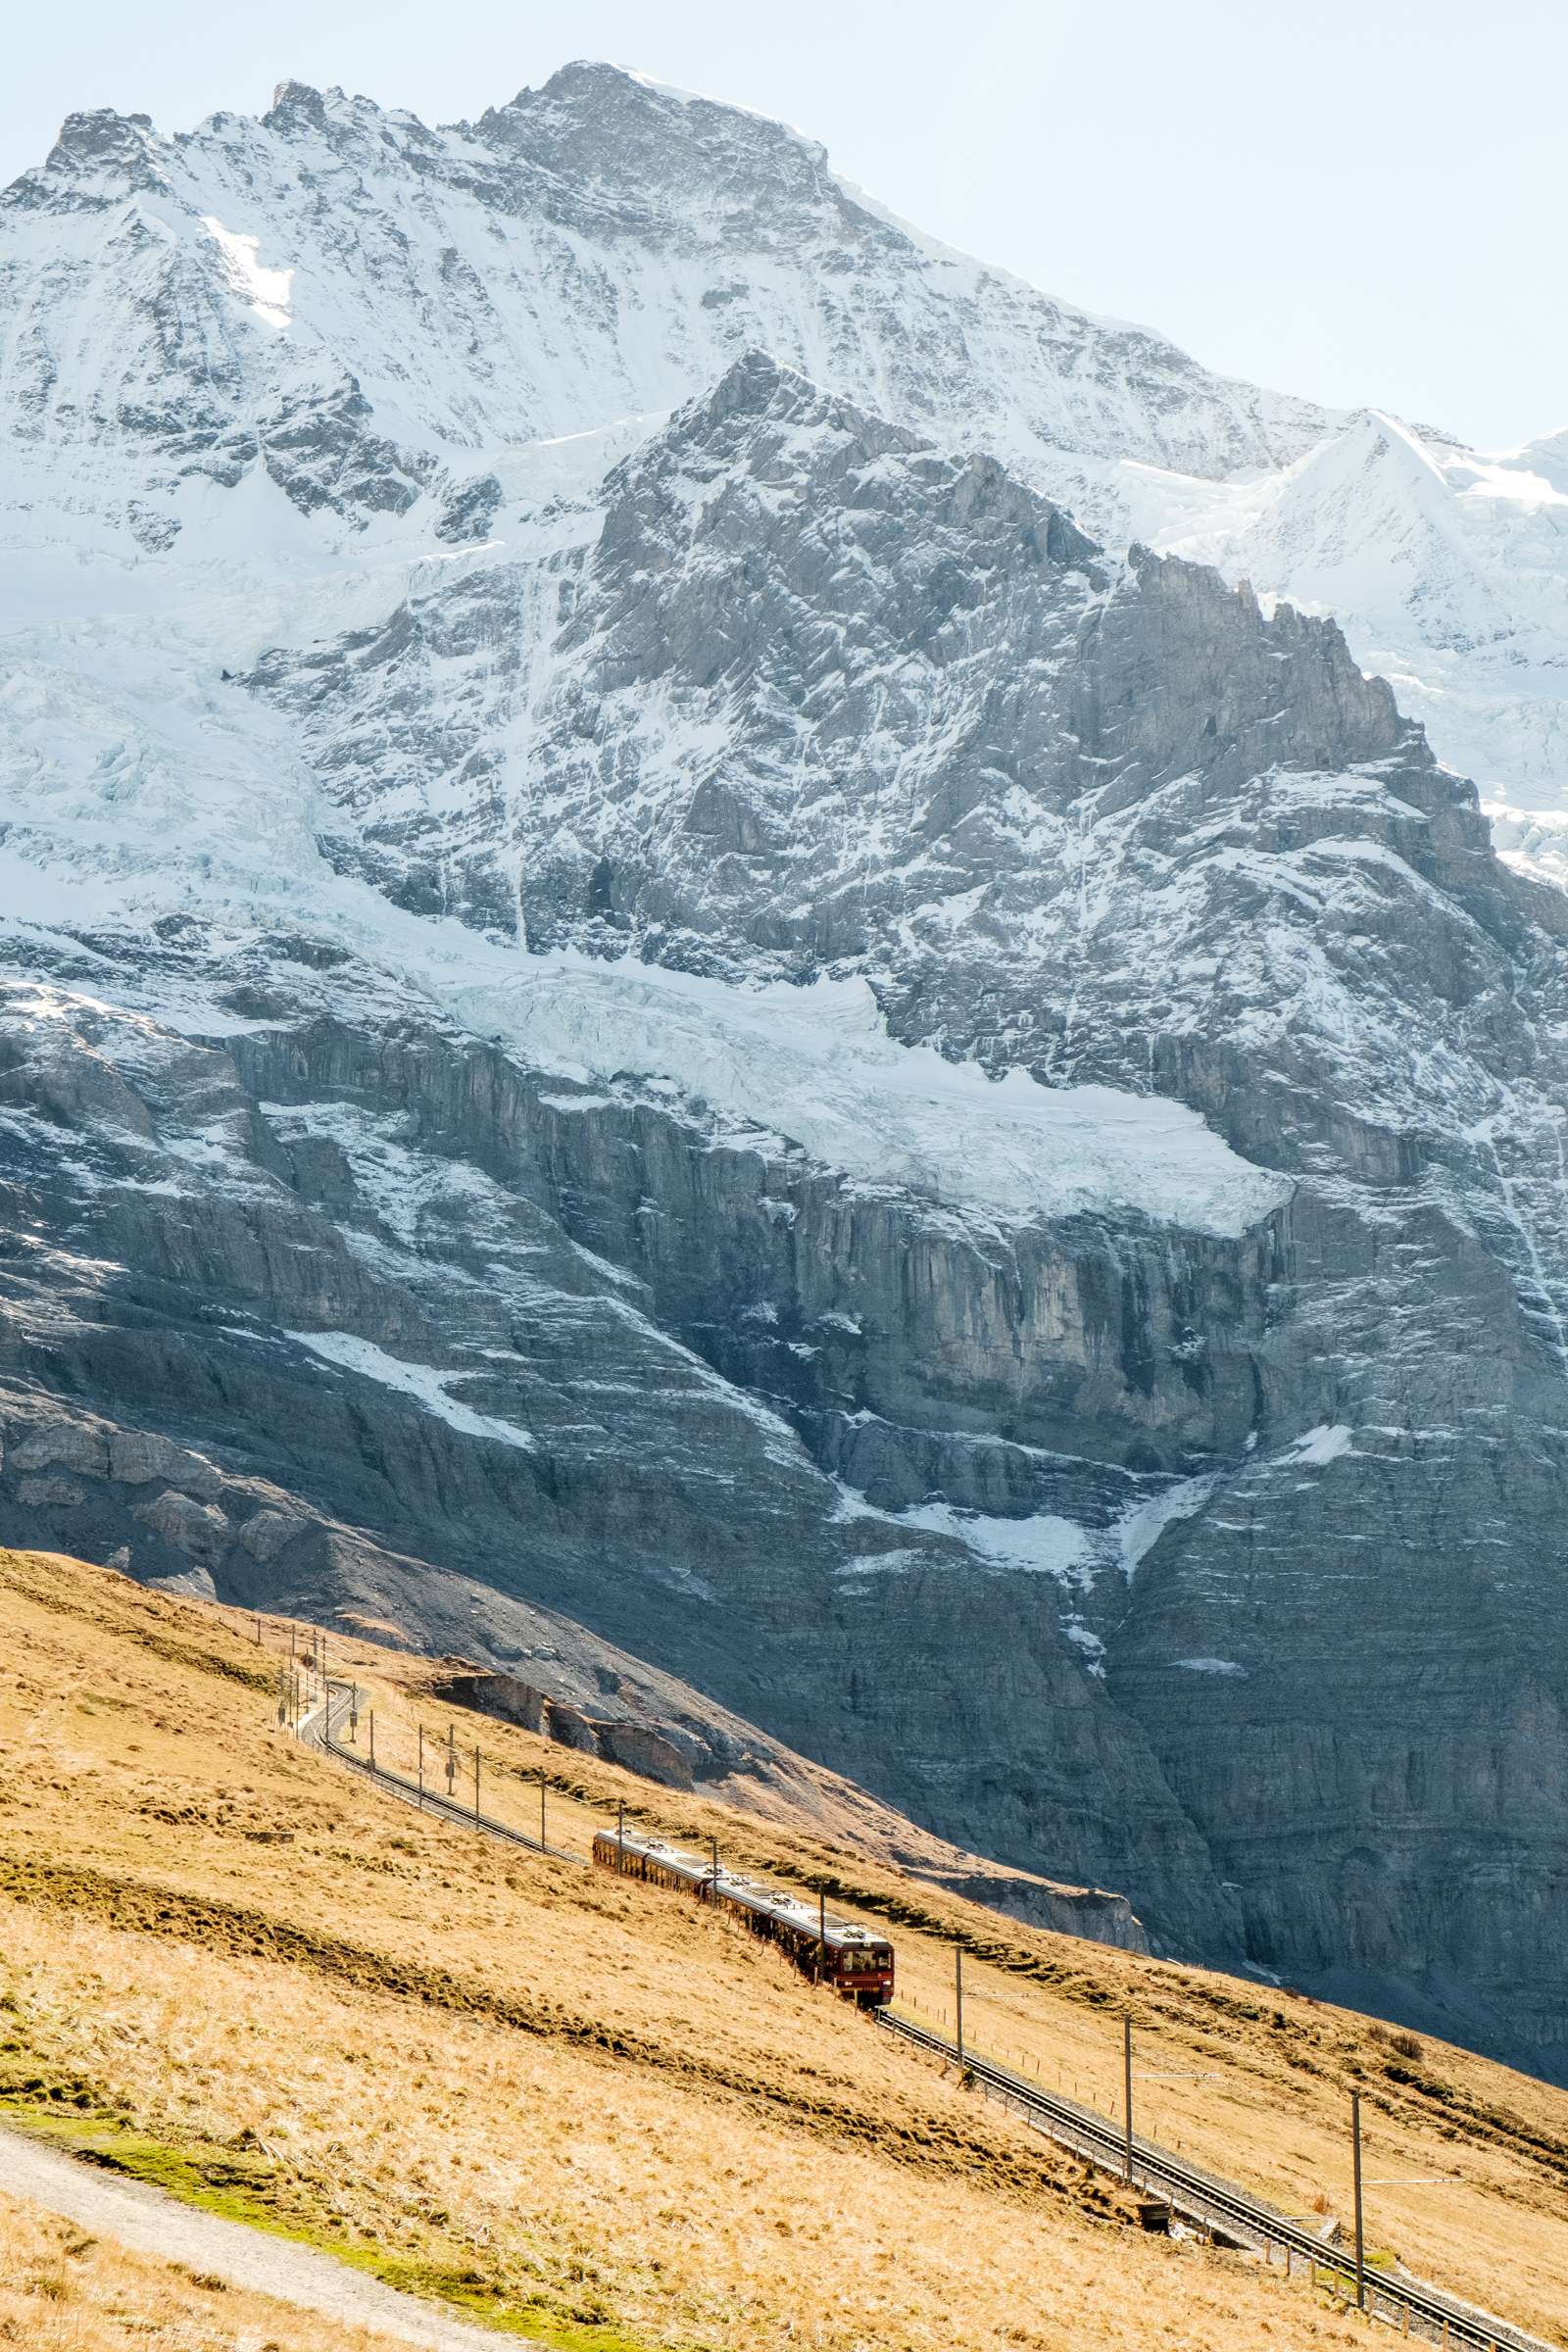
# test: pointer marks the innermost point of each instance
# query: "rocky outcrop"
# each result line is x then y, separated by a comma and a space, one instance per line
664, 1752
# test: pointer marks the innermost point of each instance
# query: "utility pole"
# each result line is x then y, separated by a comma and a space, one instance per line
957, 1997
452, 1757
621, 1836
822, 1929
477, 1783
1360, 2233
1127, 2099
422, 1768
372, 1739
354, 1712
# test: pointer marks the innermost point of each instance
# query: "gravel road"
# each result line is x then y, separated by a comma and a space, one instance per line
149, 2222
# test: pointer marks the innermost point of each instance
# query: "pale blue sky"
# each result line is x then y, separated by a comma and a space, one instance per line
1360, 202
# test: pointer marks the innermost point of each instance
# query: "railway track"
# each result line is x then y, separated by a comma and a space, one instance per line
1223, 2210
1200, 2199
318, 1729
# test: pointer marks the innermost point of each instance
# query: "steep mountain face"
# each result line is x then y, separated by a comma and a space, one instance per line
728, 1043
1446, 569
365, 308
381, 322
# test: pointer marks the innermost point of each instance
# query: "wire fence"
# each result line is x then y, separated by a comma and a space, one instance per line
449, 1778
453, 1779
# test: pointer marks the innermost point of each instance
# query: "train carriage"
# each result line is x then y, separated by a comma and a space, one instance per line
830, 1951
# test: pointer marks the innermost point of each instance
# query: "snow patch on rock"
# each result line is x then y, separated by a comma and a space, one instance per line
422, 1382
816, 1067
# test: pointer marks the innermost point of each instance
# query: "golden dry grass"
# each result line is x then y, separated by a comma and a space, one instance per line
62, 2290
591, 2109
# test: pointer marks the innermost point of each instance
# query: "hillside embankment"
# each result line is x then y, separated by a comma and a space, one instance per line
577, 2108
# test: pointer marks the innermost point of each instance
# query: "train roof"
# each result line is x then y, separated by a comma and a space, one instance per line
752, 1891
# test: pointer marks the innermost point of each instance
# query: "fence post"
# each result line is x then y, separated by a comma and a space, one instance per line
957, 1997
1360, 2235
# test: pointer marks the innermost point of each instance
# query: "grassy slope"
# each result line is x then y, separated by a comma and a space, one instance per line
585, 2109
62, 2290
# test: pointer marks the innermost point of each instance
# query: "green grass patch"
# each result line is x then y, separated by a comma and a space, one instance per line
238, 2186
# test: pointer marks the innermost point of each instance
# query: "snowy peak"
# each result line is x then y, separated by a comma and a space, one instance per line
1367, 523
97, 161
358, 308
297, 106
278, 337
819, 691
666, 163
766, 433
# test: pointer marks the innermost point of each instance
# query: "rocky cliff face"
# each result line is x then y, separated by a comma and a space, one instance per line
732, 1053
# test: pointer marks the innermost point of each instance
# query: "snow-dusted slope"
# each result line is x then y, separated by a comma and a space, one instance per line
1450, 572
353, 301
232, 350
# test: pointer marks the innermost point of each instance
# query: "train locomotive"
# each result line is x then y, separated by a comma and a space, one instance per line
830, 1951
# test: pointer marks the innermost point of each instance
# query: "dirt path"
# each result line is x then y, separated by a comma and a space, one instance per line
149, 2222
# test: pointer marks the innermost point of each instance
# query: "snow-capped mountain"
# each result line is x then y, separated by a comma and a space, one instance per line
365, 309
385, 321
650, 974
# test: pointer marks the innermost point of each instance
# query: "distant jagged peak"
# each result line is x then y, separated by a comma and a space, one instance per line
1379, 433
98, 157
297, 105
770, 490
778, 423
759, 384
637, 142
301, 112
594, 87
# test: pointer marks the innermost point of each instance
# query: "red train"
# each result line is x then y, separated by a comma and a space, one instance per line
830, 1951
